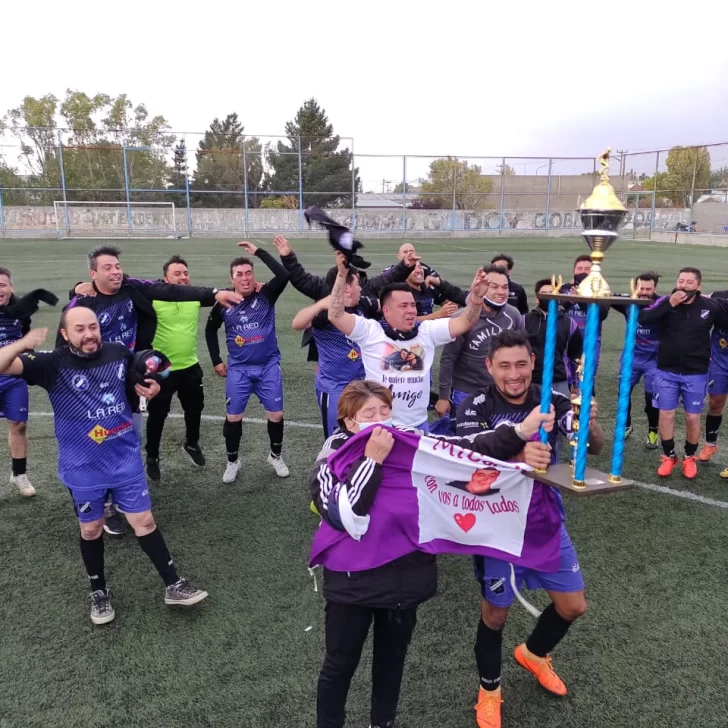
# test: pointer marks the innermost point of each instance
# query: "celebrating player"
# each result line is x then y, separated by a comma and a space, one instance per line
88, 384
516, 292
400, 351
253, 356
510, 399
685, 320
462, 362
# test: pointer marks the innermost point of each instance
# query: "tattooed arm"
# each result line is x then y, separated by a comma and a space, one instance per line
460, 324
337, 315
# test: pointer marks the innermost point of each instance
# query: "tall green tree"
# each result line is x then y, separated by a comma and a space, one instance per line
451, 179
326, 170
688, 169
219, 179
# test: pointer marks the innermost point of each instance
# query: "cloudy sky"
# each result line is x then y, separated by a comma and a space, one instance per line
465, 78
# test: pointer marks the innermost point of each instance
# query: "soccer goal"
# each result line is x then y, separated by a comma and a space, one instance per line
115, 219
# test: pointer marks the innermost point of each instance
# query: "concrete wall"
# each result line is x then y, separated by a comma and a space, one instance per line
711, 217
99, 221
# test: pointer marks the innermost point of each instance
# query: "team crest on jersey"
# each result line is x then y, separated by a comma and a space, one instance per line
239, 340
722, 343
104, 318
704, 313
80, 383
353, 355
130, 305
120, 372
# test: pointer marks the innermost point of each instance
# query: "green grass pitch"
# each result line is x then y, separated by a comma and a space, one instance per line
650, 652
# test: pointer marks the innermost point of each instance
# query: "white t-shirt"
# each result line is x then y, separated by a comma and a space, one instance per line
402, 366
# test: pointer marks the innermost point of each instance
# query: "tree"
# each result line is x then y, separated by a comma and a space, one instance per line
506, 170
177, 180
403, 187
718, 177
281, 202
450, 178
220, 166
688, 169
326, 171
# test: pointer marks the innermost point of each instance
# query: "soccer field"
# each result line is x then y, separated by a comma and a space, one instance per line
650, 652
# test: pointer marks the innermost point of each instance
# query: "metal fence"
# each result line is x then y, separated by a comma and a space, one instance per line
193, 185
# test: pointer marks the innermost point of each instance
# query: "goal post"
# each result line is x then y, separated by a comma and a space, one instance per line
114, 219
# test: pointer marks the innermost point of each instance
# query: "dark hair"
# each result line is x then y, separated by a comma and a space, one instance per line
695, 271
240, 261
178, 259
100, 250
541, 283
495, 269
6, 272
508, 339
649, 275
330, 279
582, 259
387, 292
502, 256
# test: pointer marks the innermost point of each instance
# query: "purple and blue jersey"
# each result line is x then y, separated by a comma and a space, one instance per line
11, 330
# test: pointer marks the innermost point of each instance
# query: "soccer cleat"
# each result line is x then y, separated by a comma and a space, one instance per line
153, 472
101, 610
23, 485
707, 452
231, 472
195, 454
184, 594
667, 463
488, 709
628, 432
653, 441
114, 524
278, 465
690, 467
542, 670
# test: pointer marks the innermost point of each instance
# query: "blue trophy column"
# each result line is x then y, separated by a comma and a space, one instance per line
549, 361
625, 388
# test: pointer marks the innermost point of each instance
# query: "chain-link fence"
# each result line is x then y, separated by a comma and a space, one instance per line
62, 183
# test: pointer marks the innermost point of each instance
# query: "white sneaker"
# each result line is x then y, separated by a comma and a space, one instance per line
23, 484
278, 465
231, 472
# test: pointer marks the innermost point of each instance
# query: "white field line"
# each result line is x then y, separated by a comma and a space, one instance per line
684, 494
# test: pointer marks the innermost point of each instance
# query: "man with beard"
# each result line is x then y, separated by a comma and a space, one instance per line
401, 330
516, 292
645, 359
407, 250
91, 389
508, 401
126, 315
685, 321
253, 356
462, 362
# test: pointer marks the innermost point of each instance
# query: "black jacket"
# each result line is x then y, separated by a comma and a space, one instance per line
412, 579
684, 332
517, 296
568, 342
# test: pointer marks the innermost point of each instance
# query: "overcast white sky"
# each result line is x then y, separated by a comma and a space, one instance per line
465, 78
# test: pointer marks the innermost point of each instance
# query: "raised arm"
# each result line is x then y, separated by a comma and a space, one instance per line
304, 318
309, 285
460, 324
660, 308
10, 362
338, 316
274, 287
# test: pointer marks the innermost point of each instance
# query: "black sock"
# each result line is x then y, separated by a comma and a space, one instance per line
192, 428
19, 466
548, 632
233, 433
690, 448
275, 434
488, 645
92, 553
156, 549
712, 425
668, 447
653, 414
629, 412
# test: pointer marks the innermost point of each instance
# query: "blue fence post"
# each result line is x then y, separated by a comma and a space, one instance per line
187, 196
63, 187
2, 212
404, 195
126, 187
300, 188
245, 186
454, 189
654, 195
548, 197
353, 187
502, 194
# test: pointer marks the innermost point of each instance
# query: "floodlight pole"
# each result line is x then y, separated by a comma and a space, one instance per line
63, 187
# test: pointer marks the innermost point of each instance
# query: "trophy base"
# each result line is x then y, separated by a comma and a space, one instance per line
595, 482
607, 300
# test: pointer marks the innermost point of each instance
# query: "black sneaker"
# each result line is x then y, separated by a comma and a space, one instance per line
183, 593
195, 454
114, 524
101, 610
153, 472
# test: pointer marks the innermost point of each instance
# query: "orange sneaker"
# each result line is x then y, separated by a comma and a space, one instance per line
542, 670
488, 709
666, 465
706, 454
690, 467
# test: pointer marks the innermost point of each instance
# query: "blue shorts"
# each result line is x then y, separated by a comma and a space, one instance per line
132, 497
646, 370
669, 388
14, 399
328, 403
494, 575
457, 399
265, 382
717, 380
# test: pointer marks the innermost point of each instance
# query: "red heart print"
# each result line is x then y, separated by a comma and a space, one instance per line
466, 522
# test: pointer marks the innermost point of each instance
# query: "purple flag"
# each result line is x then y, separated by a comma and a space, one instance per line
440, 498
